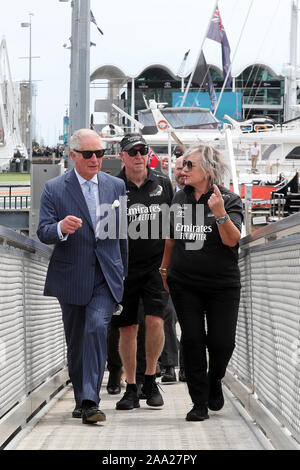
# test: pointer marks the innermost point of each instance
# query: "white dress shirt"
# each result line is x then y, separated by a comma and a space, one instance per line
81, 181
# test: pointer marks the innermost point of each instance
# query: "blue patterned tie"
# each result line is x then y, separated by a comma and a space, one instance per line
91, 202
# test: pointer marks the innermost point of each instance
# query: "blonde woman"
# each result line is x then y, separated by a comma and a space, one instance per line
200, 270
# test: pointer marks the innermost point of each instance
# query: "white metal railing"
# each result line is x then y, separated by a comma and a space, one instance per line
14, 197
32, 345
267, 354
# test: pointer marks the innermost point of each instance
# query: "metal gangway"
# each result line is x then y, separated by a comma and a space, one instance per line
261, 387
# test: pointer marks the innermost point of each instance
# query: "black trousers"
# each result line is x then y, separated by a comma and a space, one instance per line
114, 363
85, 329
169, 355
208, 324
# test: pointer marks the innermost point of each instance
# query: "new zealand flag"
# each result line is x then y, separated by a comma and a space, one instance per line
217, 33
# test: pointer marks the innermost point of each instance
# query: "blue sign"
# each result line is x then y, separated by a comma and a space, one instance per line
231, 103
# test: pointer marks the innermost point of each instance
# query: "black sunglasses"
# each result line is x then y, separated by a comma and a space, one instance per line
89, 153
133, 152
188, 163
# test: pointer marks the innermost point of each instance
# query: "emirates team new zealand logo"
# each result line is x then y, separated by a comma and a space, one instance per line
157, 191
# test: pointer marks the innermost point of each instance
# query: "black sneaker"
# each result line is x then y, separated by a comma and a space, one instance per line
197, 413
215, 397
130, 399
150, 389
169, 375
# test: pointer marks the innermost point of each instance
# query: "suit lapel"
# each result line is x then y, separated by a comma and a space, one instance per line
101, 187
75, 191
105, 189
106, 193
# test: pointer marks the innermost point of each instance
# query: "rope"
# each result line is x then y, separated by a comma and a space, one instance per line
229, 70
275, 11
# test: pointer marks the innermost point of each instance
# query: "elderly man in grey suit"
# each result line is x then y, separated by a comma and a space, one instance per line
88, 263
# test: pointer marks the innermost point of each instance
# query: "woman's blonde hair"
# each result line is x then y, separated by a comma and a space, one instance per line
211, 161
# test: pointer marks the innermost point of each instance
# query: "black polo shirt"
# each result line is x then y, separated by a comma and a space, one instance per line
146, 217
199, 257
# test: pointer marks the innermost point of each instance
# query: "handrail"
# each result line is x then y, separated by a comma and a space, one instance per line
14, 185
15, 201
286, 226
32, 346
266, 357
18, 240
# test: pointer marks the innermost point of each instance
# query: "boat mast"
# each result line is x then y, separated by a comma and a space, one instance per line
8, 103
291, 76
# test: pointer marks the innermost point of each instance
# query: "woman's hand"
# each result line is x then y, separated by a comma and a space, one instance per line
229, 233
216, 203
166, 261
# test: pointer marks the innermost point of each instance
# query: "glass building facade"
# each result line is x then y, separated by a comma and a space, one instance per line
262, 91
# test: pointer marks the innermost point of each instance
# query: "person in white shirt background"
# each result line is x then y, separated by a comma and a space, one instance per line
254, 153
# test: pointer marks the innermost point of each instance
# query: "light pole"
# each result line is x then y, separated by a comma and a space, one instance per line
28, 25
79, 67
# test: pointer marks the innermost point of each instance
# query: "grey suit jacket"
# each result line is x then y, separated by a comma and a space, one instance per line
71, 270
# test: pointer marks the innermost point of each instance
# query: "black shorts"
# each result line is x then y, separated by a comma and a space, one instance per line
150, 290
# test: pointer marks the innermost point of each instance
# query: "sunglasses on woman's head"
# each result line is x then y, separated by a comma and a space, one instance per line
89, 153
188, 163
133, 152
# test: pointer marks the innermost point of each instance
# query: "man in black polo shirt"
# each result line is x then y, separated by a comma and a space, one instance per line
147, 190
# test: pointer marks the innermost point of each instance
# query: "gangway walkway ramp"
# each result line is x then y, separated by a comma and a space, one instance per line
144, 428
262, 386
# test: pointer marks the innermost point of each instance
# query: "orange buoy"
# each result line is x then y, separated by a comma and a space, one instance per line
162, 125
165, 163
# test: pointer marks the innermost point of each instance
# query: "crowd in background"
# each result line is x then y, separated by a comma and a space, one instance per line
42, 151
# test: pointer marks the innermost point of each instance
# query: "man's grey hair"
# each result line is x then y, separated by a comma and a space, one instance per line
211, 161
80, 134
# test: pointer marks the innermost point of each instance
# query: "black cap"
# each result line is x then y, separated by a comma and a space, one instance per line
131, 140
178, 152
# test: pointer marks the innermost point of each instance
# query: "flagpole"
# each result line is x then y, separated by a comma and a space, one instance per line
233, 57
132, 104
84, 62
198, 57
73, 95
223, 88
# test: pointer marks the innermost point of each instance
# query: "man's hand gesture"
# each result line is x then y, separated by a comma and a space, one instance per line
70, 224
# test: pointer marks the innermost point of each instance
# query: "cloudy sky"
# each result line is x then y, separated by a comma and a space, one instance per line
137, 33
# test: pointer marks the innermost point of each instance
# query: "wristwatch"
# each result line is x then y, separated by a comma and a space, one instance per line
222, 220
